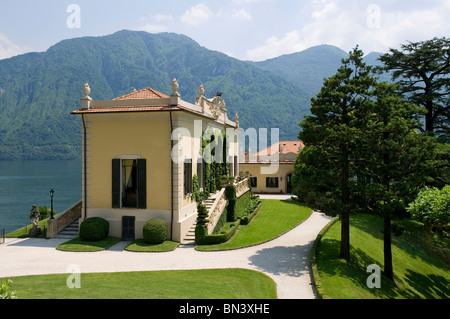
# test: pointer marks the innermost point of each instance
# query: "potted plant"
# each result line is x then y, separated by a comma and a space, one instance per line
230, 180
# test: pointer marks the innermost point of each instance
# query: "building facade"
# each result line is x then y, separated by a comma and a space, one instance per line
271, 169
140, 154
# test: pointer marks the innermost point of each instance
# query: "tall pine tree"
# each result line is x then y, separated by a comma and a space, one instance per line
397, 159
324, 174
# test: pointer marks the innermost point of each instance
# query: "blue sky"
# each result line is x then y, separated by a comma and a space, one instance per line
246, 29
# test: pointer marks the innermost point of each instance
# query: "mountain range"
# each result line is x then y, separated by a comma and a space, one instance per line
39, 90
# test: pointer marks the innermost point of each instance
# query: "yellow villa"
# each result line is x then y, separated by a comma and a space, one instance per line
140, 153
271, 169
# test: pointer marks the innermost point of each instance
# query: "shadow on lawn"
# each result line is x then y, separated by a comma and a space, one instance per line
429, 286
330, 265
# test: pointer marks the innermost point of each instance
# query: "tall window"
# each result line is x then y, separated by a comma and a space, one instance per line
272, 182
253, 181
129, 183
187, 176
200, 173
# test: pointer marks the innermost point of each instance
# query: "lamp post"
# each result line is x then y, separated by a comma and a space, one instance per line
51, 199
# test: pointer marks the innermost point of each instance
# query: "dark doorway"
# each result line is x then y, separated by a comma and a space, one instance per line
289, 184
128, 228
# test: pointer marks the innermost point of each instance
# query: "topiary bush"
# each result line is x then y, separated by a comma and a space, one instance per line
202, 215
155, 231
94, 229
230, 195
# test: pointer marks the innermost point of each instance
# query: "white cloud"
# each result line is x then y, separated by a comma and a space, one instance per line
8, 48
274, 47
197, 15
161, 17
375, 27
157, 23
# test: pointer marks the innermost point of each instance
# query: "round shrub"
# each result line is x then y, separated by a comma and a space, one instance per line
155, 231
94, 229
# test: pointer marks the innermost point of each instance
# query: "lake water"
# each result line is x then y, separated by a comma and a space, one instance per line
24, 183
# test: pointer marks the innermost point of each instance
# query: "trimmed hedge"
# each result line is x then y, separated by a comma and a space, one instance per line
202, 237
245, 220
94, 229
230, 195
155, 231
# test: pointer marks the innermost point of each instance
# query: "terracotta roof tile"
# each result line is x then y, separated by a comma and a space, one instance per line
283, 147
147, 93
137, 108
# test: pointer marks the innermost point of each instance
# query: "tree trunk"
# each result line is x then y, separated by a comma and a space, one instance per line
345, 218
388, 270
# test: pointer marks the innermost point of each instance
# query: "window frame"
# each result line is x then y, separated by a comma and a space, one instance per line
276, 184
117, 182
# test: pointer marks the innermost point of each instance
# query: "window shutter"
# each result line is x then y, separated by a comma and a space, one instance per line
116, 183
142, 184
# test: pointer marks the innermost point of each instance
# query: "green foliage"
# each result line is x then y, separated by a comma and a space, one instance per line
250, 211
230, 192
331, 136
94, 229
44, 212
5, 290
202, 215
230, 195
155, 231
195, 189
363, 151
227, 231
422, 70
432, 208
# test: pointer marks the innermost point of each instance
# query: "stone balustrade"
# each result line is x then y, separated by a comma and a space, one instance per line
220, 203
61, 221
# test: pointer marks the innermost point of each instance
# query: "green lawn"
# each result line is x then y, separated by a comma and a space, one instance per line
176, 284
140, 245
418, 272
80, 245
275, 218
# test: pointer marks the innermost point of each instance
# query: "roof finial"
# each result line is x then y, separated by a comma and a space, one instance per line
86, 100
201, 91
86, 90
236, 120
175, 86
175, 96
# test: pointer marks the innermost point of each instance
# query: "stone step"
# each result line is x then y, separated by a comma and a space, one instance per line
69, 232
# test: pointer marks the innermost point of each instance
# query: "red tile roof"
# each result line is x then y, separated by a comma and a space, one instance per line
147, 93
283, 147
144, 94
119, 109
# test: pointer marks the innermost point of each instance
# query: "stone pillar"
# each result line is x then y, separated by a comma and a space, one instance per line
52, 228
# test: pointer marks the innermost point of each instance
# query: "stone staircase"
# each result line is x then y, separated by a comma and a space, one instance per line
189, 239
69, 232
